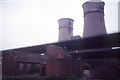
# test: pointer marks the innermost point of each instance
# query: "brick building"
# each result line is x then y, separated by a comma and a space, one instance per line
19, 63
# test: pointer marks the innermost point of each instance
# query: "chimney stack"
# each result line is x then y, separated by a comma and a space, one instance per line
65, 29
94, 24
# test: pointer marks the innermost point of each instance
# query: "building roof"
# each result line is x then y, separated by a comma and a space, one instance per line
102, 41
92, 43
27, 57
55, 52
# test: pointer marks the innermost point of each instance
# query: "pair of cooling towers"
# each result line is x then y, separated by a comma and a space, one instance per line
94, 24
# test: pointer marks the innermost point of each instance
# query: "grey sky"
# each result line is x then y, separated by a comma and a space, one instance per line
34, 22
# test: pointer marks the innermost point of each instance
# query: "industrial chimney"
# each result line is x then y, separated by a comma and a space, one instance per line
94, 24
65, 29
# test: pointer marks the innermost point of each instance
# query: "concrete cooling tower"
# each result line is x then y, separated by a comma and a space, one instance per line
94, 24
65, 29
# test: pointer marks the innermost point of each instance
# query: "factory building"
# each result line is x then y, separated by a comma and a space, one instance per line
97, 52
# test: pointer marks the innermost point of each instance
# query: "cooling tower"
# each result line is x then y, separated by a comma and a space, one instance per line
94, 24
65, 29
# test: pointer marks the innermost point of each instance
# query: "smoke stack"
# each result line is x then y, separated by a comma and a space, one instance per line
94, 24
65, 29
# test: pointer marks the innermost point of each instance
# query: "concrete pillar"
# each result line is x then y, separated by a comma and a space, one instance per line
94, 24
65, 29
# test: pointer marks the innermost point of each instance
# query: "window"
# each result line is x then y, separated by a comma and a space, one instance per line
43, 71
21, 66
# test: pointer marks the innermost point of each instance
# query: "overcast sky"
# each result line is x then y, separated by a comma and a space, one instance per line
33, 22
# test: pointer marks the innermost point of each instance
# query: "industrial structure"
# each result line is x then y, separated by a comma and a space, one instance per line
65, 29
97, 51
94, 24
